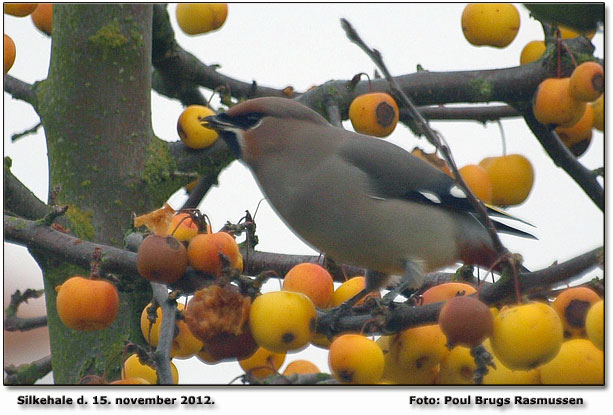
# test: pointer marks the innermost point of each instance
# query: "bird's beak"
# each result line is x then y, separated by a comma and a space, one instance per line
226, 130
217, 122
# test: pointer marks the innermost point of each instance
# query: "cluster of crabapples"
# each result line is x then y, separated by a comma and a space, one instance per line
558, 342
582, 106
537, 342
163, 257
532, 343
574, 105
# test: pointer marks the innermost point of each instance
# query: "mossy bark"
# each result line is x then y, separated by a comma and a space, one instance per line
95, 107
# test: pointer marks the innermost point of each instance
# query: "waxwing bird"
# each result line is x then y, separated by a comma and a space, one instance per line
360, 200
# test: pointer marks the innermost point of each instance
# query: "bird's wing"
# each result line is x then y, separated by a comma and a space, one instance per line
393, 173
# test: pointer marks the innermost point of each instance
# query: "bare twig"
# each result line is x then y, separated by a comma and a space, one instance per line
33, 130
20, 90
167, 330
14, 323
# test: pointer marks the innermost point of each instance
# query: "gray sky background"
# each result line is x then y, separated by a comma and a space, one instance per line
303, 45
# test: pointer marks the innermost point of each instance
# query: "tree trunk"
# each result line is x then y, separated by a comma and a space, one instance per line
96, 111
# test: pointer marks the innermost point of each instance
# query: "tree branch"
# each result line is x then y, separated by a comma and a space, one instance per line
78, 252
14, 323
20, 200
167, 331
67, 248
207, 162
179, 73
163, 43
21, 90
479, 114
402, 316
548, 277
114, 260
199, 191
32, 130
427, 88
28, 373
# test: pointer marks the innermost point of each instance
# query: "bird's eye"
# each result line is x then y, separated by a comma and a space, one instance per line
248, 121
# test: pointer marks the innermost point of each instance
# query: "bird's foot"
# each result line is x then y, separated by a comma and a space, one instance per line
411, 281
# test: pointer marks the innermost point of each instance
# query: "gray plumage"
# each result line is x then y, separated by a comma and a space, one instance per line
359, 199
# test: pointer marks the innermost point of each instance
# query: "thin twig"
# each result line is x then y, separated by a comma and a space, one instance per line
15, 137
503, 137
14, 323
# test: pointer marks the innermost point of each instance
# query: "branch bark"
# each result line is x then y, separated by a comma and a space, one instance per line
67, 248
167, 331
15, 323
118, 261
28, 373
20, 200
479, 114
21, 90
178, 73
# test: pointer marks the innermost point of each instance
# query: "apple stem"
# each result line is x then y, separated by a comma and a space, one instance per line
504, 139
95, 264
